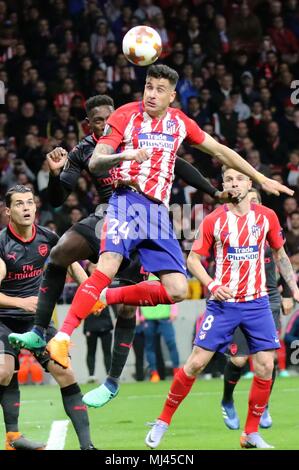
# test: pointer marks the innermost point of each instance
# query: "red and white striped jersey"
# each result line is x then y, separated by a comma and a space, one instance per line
239, 245
130, 127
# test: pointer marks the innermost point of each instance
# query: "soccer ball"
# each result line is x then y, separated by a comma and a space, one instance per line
142, 45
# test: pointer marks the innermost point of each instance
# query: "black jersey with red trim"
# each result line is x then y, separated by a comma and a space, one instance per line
78, 160
25, 261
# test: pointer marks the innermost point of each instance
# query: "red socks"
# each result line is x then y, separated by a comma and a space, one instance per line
144, 293
179, 389
258, 399
85, 298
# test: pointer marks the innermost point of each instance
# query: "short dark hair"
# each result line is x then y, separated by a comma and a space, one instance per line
294, 213
163, 71
98, 100
19, 188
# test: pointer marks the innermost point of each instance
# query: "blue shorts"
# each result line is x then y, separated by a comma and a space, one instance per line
254, 318
134, 222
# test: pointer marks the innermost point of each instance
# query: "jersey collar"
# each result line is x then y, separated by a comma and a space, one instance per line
16, 235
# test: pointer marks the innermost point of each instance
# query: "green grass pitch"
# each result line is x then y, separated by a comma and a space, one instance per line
198, 423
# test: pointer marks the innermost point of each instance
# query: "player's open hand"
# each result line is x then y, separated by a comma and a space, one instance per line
56, 160
274, 187
222, 293
139, 155
29, 304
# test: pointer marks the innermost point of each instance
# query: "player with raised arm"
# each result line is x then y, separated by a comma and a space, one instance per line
82, 241
24, 249
237, 234
148, 134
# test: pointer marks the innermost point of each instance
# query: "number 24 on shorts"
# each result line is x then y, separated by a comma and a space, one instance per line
115, 229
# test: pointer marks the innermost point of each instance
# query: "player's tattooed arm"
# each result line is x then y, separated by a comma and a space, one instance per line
286, 270
104, 158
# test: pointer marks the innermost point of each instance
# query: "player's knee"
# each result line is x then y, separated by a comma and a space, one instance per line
239, 361
264, 368
63, 377
195, 365
178, 292
5, 376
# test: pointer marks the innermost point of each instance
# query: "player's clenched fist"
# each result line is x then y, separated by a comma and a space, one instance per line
139, 155
29, 304
56, 159
222, 293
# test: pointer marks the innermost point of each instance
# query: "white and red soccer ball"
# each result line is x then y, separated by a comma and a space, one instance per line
142, 45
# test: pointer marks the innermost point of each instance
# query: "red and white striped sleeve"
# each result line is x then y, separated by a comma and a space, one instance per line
204, 238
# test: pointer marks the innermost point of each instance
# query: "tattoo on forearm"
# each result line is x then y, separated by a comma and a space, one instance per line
103, 148
98, 163
286, 270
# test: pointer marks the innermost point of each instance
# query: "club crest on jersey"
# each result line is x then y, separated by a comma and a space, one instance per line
233, 349
170, 126
43, 249
256, 231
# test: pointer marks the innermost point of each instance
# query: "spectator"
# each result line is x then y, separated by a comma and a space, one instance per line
293, 168
63, 122
245, 29
225, 122
218, 39
290, 205
292, 236
253, 157
284, 40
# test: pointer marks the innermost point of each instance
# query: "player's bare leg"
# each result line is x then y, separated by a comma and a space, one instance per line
263, 362
180, 387
10, 400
